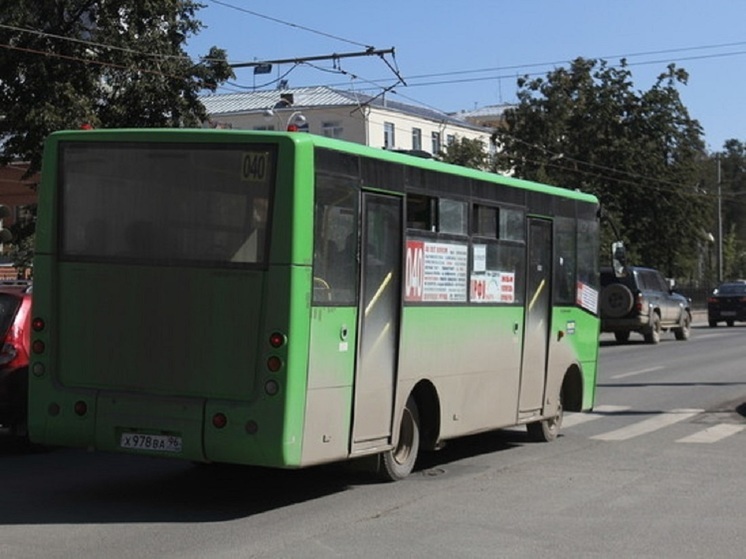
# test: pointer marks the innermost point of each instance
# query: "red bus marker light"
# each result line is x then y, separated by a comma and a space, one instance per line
219, 420
274, 363
277, 339
81, 408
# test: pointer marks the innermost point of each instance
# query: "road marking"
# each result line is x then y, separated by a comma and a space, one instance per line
640, 372
713, 434
599, 411
649, 425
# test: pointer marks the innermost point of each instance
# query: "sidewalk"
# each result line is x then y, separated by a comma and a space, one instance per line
699, 316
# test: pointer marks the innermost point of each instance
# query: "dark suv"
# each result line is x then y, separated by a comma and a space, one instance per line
642, 301
15, 337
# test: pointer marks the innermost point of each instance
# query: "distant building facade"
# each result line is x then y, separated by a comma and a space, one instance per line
372, 121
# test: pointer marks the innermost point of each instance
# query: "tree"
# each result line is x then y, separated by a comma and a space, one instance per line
727, 176
68, 63
466, 152
640, 152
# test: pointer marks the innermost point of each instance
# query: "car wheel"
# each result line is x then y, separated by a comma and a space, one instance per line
622, 337
653, 334
685, 328
729, 322
713, 323
616, 300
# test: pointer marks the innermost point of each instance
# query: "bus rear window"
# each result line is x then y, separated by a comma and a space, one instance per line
161, 203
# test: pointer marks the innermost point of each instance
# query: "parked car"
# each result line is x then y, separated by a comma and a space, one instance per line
727, 303
642, 301
15, 338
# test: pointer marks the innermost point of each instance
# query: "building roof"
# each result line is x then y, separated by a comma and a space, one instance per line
319, 97
487, 111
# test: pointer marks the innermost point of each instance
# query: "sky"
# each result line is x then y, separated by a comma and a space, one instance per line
463, 54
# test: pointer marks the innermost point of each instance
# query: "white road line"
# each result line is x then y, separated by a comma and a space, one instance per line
571, 420
640, 372
649, 425
713, 434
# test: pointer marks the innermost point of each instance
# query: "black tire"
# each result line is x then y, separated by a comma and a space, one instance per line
713, 323
653, 333
397, 463
622, 337
729, 322
546, 430
684, 330
616, 300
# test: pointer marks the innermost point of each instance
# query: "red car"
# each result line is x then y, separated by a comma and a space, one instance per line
15, 339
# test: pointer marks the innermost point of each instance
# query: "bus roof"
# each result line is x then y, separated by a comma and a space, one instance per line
218, 135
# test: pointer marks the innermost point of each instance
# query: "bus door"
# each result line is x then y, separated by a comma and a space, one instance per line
378, 330
538, 317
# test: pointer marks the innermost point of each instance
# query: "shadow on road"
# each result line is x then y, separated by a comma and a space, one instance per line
61, 486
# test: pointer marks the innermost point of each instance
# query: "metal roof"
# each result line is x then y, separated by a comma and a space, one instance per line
318, 97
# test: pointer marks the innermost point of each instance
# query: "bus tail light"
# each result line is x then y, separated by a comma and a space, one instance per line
38, 347
219, 420
274, 364
37, 324
80, 408
277, 339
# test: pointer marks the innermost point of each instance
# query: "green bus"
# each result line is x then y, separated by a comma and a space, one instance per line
286, 300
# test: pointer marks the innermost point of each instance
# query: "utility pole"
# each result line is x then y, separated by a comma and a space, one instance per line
720, 225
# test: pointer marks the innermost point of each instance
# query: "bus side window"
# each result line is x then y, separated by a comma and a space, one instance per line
335, 241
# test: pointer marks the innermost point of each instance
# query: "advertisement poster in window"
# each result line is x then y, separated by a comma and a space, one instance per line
436, 272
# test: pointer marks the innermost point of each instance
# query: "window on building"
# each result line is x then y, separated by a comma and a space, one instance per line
436, 145
450, 139
332, 129
416, 138
388, 135
265, 127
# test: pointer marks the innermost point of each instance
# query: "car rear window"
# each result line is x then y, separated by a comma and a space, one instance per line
732, 289
8, 307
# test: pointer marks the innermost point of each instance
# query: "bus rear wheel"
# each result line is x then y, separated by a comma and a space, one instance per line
546, 430
397, 463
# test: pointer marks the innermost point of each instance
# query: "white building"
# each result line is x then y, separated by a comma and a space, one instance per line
355, 117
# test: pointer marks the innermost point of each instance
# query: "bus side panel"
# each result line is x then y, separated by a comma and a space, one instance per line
574, 340
473, 357
331, 368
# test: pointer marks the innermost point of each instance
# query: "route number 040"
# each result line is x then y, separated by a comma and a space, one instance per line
254, 167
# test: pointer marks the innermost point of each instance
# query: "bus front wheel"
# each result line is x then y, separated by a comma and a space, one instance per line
397, 463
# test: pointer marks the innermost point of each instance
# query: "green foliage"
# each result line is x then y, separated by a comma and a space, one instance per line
585, 127
106, 64
70, 63
466, 152
727, 170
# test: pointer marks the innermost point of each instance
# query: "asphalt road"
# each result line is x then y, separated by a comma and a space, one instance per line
657, 470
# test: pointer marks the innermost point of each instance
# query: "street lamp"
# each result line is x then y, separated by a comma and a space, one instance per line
294, 123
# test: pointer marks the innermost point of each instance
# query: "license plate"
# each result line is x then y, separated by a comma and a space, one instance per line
728, 313
157, 443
